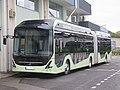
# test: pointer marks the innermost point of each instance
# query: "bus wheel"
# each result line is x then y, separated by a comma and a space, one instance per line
90, 62
67, 67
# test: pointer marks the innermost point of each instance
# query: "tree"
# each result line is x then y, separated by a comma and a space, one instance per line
115, 35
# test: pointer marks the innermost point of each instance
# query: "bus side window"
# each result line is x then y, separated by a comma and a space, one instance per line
56, 46
59, 46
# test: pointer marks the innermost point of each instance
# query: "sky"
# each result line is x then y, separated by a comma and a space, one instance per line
105, 13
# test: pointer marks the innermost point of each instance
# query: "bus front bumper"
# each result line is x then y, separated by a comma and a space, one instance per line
37, 69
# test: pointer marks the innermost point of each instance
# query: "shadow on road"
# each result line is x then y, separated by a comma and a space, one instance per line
50, 76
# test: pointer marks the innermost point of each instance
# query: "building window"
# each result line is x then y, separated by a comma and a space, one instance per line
29, 4
72, 18
55, 10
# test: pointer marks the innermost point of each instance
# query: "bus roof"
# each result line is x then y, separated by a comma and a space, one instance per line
56, 25
68, 27
102, 34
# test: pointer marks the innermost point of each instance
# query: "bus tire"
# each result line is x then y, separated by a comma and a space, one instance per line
67, 67
90, 62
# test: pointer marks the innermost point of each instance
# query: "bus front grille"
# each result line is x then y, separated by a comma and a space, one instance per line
30, 61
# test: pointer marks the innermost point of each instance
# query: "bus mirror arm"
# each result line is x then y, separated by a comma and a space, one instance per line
10, 36
6, 37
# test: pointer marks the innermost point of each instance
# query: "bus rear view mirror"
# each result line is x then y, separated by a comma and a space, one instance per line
6, 37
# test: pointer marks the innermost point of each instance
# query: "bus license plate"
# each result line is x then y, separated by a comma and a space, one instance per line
29, 68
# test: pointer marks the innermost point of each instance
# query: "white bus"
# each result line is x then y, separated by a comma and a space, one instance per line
54, 46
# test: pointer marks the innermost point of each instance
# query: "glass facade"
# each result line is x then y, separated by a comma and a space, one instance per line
29, 4
55, 10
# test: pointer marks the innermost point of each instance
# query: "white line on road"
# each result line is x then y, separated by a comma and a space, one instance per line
98, 84
111, 75
94, 87
108, 77
102, 81
111, 70
105, 79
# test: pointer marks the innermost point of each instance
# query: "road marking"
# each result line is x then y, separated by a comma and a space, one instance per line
113, 69
98, 84
94, 87
117, 71
102, 81
114, 74
117, 64
107, 64
105, 79
106, 70
88, 69
111, 75
108, 77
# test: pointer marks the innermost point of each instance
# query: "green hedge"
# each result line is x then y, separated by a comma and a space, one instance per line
116, 51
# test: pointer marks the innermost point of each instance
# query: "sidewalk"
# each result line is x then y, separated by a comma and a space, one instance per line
5, 75
12, 83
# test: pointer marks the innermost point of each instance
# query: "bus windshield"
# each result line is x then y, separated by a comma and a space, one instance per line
32, 42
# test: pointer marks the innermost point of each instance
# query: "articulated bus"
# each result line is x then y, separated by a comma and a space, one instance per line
54, 46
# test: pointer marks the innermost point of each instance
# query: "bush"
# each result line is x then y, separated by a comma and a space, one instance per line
116, 51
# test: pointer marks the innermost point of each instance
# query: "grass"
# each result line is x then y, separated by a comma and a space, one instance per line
116, 51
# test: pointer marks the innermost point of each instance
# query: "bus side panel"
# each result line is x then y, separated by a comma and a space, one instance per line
107, 57
84, 62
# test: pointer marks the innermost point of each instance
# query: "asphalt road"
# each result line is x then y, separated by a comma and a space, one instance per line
99, 77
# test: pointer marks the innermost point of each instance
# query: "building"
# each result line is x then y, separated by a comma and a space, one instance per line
93, 26
12, 12
115, 42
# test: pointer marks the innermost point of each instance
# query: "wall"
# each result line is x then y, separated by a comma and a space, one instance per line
0, 12
82, 4
3, 57
117, 40
25, 14
0, 21
7, 26
0, 28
